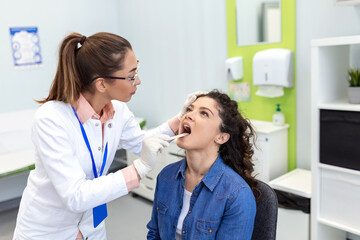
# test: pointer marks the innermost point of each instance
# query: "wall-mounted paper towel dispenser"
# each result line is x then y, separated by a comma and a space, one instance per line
273, 70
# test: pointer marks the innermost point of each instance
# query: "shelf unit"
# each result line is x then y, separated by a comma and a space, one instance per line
335, 190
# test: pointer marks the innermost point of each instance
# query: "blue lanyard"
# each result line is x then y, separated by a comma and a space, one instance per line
88, 146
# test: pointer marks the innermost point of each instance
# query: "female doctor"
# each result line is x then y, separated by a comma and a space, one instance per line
76, 133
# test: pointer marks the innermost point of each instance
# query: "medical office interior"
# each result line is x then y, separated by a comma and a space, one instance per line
271, 56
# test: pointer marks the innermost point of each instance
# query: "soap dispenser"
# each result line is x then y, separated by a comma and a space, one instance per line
278, 117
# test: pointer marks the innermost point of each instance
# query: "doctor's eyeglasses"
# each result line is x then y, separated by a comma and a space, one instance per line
123, 78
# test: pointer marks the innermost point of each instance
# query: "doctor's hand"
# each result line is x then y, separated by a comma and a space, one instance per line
151, 146
188, 101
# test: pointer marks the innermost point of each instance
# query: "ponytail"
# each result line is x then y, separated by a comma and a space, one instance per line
67, 84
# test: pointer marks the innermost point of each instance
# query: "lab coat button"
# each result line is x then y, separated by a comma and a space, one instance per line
96, 124
99, 148
109, 125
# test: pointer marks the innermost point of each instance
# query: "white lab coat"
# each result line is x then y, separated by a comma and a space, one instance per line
61, 191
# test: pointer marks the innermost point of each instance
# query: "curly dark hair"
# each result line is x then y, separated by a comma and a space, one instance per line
237, 152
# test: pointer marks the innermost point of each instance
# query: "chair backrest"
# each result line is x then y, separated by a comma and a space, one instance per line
266, 214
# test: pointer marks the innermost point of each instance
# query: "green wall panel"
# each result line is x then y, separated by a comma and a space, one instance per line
262, 108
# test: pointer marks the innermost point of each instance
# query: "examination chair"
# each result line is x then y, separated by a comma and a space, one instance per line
266, 213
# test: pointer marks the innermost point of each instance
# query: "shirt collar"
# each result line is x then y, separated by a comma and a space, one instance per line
214, 174
212, 177
181, 171
85, 111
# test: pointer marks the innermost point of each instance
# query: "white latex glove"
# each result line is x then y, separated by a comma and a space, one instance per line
151, 146
188, 101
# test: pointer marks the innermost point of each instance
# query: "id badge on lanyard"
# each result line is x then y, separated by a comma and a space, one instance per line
99, 212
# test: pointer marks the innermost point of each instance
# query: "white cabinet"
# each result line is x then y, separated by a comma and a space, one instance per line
271, 155
17, 155
335, 207
293, 215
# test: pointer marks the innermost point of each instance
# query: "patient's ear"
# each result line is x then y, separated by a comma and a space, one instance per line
222, 138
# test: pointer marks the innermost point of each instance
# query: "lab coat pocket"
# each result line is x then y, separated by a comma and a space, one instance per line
47, 218
162, 209
206, 229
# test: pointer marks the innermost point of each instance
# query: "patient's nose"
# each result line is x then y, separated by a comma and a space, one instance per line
189, 115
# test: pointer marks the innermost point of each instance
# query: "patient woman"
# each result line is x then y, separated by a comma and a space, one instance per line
208, 195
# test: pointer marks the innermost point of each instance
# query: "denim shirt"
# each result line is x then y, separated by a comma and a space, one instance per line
222, 205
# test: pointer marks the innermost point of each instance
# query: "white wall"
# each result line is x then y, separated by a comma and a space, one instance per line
181, 45
182, 48
315, 19
54, 19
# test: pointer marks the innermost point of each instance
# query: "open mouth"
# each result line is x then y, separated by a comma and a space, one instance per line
186, 128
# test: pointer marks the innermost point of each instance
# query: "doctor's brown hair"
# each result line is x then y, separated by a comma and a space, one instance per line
81, 59
237, 152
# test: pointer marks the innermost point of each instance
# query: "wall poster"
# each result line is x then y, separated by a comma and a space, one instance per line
25, 45
239, 91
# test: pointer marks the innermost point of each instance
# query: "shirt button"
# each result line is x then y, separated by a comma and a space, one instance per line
99, 148
189, 211
96, 124
184, 231
179, 206
173, 226
194, 192
210, 230
110, 125
157, 209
